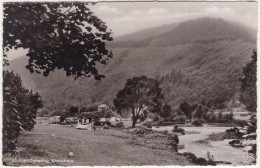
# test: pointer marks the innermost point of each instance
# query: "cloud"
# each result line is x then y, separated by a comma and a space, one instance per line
224, 12
212, 9
122, 19
157, 11
137, 12
126, 18
107, 9
219, 11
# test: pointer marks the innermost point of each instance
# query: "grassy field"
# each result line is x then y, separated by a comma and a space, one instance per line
105, 147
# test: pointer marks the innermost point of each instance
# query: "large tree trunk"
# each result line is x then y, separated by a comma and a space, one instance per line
134, 117
134, 122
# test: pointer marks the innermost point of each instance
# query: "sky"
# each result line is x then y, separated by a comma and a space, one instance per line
128, 17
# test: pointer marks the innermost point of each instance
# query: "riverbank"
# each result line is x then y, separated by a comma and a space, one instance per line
196, 141
49, 145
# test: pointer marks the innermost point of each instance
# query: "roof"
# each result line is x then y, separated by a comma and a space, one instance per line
103, 105
93, 114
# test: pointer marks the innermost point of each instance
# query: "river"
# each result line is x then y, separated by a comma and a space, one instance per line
220, 150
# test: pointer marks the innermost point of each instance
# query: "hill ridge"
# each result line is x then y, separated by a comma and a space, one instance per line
189, 71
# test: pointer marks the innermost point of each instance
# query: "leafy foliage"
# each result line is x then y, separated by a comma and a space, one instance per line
187, 109
59, 35
166, 111
198, 122
219, 118
73, 110
248, 85
92, 115
200, 111
201, 70
139, 93
20, 106
110, 113
89, 108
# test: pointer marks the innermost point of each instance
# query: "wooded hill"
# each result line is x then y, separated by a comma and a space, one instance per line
196, 59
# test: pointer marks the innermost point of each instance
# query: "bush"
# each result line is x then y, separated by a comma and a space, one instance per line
165, 111
89, 108
190, 156
141, 131
62, 118
120, 125
174, 141
156, 118
241, 123
201, 161
176, 129
165, 132
167, 120
222, 135
211, 117
166, 123
253, 149
198, 122
180, 119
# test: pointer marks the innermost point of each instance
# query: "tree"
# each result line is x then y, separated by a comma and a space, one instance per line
73, 110
62, 118
166, 111
248, 85
20, 107
186, 109
220, 115
140, 93
62, 35
89, 108
200, 111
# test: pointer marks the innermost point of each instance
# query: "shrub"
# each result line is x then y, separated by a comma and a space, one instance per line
174, 141
211, 117
156, 118
89, 108
198, 122
241, 123
149, 126
222, 135
201, 161
165, 111
166, 123
165, 132
253, 149
211, 159
167, 120
180, 119
62, 118
141, 131
190, 156
176, 129
145, 124
120, 125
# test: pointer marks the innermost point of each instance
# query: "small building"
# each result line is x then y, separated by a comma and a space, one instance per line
54, 119
86, 117
70, 120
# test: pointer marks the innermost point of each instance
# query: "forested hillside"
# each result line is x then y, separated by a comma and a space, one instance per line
194, 60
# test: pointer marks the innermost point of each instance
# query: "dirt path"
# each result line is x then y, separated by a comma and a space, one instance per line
105, 147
